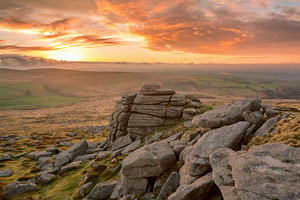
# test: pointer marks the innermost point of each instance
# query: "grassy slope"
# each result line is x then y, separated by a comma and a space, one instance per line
13, 96
52, 87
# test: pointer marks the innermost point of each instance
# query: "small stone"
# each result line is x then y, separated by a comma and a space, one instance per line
178, 146
5, 172
70, 167
86, 157
46, 178
103, 154
53, 150
6, 156
38, 154
268, 110
61, 144
72, 134
117, 153
83, 190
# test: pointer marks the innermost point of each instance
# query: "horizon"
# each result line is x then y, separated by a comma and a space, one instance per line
173, 32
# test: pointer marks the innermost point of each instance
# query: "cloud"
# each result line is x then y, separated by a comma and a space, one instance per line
25, 49
208, 26
19, 24
76, 6
92, 41
218, 27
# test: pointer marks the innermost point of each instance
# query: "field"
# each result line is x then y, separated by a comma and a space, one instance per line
40, 88
29, 95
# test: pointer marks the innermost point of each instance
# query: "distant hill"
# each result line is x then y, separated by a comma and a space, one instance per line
7, 60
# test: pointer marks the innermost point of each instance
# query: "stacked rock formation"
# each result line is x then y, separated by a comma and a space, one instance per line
152, 108
212, 168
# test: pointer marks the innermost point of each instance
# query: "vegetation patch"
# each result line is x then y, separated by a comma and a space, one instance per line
29, 95
287, 132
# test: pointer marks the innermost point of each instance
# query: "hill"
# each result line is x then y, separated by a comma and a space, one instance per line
54, 87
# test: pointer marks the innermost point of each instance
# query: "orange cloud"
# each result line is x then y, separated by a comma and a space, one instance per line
25, 49
206, 27
92, 41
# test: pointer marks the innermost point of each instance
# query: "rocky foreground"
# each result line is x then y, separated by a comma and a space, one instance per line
163, 145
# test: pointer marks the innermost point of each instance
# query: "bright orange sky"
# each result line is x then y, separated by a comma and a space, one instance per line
173, 31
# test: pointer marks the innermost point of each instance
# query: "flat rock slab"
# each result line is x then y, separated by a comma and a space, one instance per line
86, 157
133, 146
170, 186
143, 120
155, 89
149, 161
122, 142
268, 171
198, 190
154, 138
38, 154
171, 138
265, 128
17, 188
65, 157
152, 100
70, 167
226, 114
156, 110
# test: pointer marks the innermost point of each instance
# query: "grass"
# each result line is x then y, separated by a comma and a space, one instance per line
287, 132
221, 85
28, 95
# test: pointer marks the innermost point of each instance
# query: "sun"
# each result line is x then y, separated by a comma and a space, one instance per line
66, 55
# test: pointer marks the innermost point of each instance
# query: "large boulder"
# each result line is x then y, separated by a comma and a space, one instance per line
102, 191
227, 114
268, 171
197, 162
149, 161
133, 185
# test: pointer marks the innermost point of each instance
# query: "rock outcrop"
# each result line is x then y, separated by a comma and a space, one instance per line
197, 161
228, 114
268, 171
152, 108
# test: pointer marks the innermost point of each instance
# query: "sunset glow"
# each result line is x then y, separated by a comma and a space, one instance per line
173, 31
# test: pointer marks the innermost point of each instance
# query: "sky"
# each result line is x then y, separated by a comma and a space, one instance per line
170, 31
